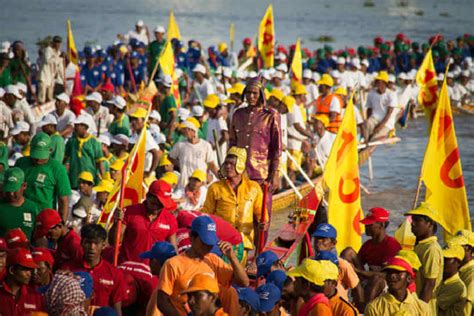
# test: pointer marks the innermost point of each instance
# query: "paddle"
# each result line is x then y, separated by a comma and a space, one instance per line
261, 230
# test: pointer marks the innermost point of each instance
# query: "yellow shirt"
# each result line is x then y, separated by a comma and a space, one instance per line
387, 305
239, 208
432, 262
451, 297
466, 273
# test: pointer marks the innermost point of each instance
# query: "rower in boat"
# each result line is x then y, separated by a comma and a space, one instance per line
236, 198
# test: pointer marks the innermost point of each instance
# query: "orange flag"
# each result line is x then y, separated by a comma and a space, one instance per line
297, 65
133, 191
167, 68
266, 38
441, 171
426, 80
341, 176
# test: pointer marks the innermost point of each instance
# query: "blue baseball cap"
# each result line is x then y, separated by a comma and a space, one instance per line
86, 282
269, 294
325, 231
205, 228
105, 311
264, 261
161, 250
327, 255
216, 250
250, 297
134, 55
277, 277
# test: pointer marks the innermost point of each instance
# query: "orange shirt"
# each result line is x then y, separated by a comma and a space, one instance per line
348, 279
220, 312
178, 271
342, 307
321, 310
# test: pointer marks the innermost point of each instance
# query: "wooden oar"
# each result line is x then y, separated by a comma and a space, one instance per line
305, 176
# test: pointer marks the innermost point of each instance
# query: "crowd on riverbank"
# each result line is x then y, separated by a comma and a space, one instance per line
219, 148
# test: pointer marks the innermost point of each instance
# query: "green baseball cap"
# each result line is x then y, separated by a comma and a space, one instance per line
40, 146
13, 180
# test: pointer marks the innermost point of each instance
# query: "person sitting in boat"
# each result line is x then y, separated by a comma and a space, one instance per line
326, 139
237, 199
374, 252
341, 94
325, 240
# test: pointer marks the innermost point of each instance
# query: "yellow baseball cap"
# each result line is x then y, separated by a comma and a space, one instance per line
117, 165
316, 271
139, 113
222, 47
211, 101
468, 235
323, 118
202, 282
411, 257
382, 76
170, 177
104, 186
326, 80
458, 240
424, 209
454, 251
164, 161
299, 89
199, 174
278, 94
341, 91
289, 101
237, 88
86, 176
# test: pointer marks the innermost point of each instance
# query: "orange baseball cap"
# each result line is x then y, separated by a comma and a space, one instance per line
203, 282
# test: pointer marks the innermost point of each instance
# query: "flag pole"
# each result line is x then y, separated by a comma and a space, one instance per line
118, 231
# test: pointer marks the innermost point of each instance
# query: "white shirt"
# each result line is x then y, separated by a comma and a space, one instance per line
102, 118
22, 112
219, 125
294, 137
346, 80
324, 146
313, 92
204, 89
139, 36
150, 144
51, 67
379, 103
6, 120
71, 70
284, 129
186, 205
191, 157
64, 120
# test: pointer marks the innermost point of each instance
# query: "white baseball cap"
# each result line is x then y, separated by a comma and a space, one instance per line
307, 74
251, 74
155, 115
22, 87
241, 74
63, 97
140, 23
47, 120
166, 80
178, 72
465, 73
13, 89
197, 110
199, 68
183, 113
20, 126
365, 62
104, 139
316, 76
81, 119
121, 139
160, 138
450, 75
160, 29
341, 61
119, 102
227, 72
335, 74
403, 76
265, 74
440, 77
391, 78
94, 96
282, 67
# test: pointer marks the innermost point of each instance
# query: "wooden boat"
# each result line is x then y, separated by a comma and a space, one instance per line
287, 199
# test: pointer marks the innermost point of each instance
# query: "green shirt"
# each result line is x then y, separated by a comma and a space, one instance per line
83, 159
202, 132
4, 155
57, 147
18, 216
167, 106
120, 126
16, 72
5, 78
154, 50
45, 183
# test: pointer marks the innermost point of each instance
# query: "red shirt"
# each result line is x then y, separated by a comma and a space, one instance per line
142, 233
109, 287
375, 255
141, 282
27, 301
69, 249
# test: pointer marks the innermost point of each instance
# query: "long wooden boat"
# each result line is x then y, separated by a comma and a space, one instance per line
288, 198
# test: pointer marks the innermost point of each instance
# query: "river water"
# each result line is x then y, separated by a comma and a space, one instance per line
349, 22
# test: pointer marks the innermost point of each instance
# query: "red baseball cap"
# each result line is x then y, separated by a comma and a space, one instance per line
378, 40
3, 244
247, 41
16, 238
108, 86
45, 220
377, 215
22, 257
400, 36
42, 254
162, 191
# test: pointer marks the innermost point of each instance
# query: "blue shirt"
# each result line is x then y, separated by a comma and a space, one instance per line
91, 77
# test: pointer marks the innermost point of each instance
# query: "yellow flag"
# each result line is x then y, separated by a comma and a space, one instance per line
71, 45
297, 65
167, 68
232, 36
341, 176
173, 29
266, 38
133, 191
442, 172
426, 80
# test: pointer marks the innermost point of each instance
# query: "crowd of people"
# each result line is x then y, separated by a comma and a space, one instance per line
214, 156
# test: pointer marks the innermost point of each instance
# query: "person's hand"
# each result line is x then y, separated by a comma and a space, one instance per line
118, 216
226, 249
275, 182
264, 226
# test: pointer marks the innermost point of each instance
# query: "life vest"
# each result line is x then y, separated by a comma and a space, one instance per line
323, 105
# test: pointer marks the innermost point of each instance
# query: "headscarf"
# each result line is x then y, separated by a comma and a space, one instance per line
257, 81
65, 296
